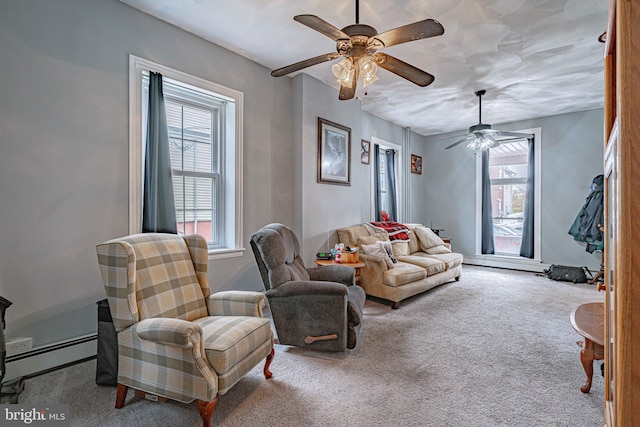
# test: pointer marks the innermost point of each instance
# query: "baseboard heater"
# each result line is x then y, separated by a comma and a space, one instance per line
52, 356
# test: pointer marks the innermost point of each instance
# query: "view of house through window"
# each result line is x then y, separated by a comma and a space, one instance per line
508, 174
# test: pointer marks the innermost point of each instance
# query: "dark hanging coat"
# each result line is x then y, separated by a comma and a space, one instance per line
586, 227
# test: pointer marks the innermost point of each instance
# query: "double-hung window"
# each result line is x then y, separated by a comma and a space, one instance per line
204, 123
509, 174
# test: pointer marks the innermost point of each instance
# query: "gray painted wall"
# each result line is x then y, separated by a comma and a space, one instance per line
572, 153
64, 163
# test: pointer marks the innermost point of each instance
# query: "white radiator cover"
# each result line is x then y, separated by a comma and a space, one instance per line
47, 357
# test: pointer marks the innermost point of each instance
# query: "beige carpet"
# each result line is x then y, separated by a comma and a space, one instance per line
494, 349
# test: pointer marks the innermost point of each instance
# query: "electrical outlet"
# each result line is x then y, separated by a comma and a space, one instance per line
18, 345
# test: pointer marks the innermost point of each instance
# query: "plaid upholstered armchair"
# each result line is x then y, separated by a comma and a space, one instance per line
175, 338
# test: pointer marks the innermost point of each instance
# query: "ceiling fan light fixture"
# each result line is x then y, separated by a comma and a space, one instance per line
368, 69
480, 143
344, 71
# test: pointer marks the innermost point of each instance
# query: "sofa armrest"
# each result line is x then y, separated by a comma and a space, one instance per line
236, 303
333, 273
373, 271
169, 331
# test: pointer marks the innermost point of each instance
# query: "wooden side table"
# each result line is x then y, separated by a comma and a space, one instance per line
588, 321
356, 265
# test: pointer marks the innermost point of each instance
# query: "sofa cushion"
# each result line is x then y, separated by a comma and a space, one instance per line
414, 243
378, 250
431, 265
440, 249
403, 273
452, 260
428, 239
370, 240
349, 235
400, 249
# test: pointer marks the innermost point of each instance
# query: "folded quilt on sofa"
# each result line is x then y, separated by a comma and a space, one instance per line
395, 230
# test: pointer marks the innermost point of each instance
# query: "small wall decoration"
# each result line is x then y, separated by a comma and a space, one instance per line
334, 153
416, 164
365, 148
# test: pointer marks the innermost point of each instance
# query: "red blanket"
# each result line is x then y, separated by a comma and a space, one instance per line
396, 231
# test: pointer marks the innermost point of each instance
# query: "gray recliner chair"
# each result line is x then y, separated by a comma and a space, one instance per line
317, 308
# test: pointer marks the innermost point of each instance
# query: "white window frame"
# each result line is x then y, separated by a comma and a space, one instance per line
232, 150
399, 172
499, 259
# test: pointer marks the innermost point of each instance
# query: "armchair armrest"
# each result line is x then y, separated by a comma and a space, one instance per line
172, 332
307, 287
333, 273
236, 303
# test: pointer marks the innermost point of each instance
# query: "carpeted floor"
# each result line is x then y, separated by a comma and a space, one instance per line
494, 349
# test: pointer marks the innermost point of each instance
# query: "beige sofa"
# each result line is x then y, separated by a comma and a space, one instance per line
415, 271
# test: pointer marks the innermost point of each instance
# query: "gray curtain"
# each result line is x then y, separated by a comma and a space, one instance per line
159, 211
487, 211
389, 156
391, 187
526, 248
376, 184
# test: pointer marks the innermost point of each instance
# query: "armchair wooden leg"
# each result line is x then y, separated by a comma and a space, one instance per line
206, 410
267, 372
121, 395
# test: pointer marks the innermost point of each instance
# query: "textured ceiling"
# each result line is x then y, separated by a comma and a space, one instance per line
535, 58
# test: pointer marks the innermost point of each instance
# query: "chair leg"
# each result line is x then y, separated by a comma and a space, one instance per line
267, 372
206, 410
121, 395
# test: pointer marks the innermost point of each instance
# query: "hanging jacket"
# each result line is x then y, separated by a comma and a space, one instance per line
586, 226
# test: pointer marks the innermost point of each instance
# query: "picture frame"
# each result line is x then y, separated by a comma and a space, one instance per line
416, 164
334, 153
365, 150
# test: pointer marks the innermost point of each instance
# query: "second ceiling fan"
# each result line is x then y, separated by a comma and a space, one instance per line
360, 47
482, 136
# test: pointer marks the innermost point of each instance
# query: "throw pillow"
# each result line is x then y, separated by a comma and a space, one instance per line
370, 240
387, 247
400, 249
414, 243
440, 249
378, 250
428, 239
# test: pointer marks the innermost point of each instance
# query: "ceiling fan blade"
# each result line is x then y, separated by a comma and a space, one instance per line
322, 26
304, 64
416, 31
465, 139
514, 134
347, 92
404, 70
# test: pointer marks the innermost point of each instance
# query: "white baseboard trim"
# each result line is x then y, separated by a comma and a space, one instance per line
47, 357
506, 262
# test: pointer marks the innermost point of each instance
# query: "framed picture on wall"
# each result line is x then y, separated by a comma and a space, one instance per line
334, 153
416, 164
365, 148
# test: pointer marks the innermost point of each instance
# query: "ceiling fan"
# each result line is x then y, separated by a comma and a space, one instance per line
482, 137
360, 47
